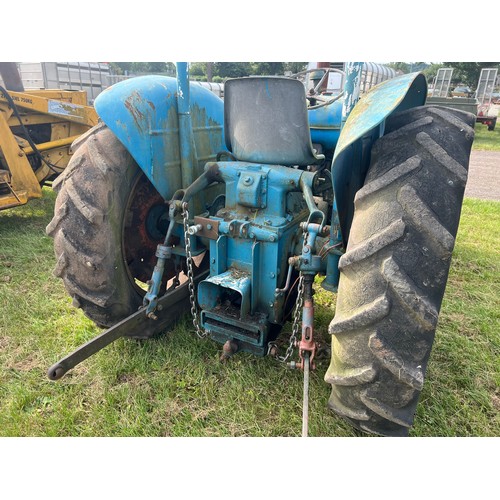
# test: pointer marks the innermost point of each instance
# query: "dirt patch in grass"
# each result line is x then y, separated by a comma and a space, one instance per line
27, 364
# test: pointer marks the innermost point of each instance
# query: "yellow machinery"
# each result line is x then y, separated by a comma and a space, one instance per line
37, 128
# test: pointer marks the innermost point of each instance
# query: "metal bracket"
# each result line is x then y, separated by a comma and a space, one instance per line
209, 227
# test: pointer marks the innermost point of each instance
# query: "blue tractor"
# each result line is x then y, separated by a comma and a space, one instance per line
230, 210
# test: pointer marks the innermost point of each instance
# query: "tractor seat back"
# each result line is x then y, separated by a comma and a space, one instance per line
266, 121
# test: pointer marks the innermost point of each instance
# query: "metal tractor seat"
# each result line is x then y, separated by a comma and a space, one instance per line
266, 121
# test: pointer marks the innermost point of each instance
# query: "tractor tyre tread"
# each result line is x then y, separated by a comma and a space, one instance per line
87, 237
395, 269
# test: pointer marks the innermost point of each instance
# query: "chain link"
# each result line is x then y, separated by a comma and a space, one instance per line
296, 315
190, 274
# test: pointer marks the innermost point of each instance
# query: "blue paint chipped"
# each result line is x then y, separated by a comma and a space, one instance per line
142, 113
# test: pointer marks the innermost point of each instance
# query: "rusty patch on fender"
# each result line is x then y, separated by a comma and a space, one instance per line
137, 115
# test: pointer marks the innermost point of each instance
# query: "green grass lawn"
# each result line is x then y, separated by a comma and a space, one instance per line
486, 140
174, 385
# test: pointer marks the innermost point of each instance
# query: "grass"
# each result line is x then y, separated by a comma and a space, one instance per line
486, 140
174, 385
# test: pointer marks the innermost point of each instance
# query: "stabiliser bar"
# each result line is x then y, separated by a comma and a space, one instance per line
137, 324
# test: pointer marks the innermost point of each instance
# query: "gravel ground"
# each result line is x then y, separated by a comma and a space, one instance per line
484, 176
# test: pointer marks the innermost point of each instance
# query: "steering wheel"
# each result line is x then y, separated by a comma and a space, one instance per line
314, 95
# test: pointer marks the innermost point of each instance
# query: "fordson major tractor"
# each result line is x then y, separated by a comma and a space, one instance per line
231, 210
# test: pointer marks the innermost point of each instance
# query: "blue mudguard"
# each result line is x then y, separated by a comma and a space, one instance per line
142, 113
365, 125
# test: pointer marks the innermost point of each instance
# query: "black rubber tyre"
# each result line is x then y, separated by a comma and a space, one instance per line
103, 248
395, 269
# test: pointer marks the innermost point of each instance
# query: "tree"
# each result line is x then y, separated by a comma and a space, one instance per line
116, 68
468, 72
121, 68
198, 69
295, 67
232, 69
211, 71
431, 71
408, 67
157, 67
400, 66
268, 68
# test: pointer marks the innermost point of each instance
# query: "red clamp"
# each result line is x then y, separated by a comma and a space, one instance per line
307, 342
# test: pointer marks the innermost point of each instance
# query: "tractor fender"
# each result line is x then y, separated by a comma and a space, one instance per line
363, 127
142, 113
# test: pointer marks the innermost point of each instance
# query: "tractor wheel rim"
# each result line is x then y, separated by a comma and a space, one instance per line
145, 225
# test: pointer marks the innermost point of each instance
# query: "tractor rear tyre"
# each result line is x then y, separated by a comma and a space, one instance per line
108, 220
395, 269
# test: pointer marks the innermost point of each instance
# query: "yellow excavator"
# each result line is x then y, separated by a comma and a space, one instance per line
37, 128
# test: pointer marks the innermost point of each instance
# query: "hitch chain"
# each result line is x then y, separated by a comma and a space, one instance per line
306, 356
190, 275
296, 323
297, 314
